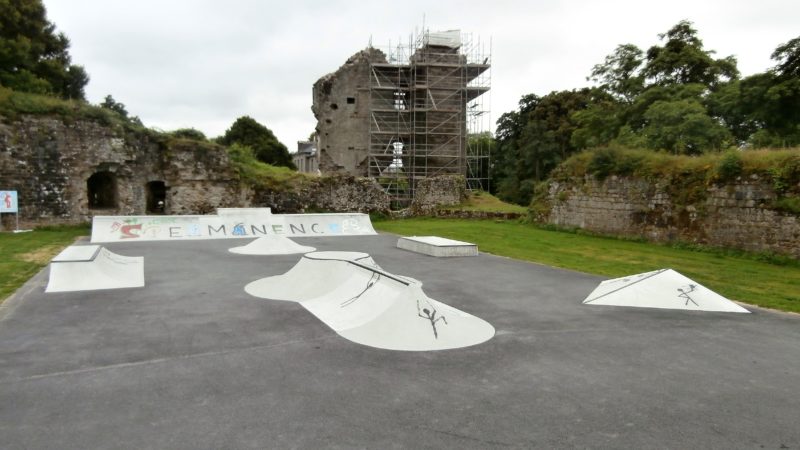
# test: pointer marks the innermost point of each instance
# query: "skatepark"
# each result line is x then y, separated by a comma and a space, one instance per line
223, 348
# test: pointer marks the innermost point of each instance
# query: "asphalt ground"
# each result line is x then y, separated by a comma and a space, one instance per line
192, 361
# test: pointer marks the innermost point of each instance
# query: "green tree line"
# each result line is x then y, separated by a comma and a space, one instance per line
675, 97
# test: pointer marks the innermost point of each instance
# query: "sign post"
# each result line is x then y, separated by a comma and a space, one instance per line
8, 204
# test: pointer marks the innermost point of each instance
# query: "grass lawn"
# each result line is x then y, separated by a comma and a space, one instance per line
24, 254
739, 277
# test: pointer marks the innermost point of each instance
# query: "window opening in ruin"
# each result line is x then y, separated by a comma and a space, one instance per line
399, 100
397, 157
351, 100
156, 197
334, 106
102, 190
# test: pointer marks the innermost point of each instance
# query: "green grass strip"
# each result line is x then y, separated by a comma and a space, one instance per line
24, 254
738, 276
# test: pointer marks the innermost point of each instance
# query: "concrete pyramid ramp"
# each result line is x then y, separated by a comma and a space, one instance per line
92, 267
271, 245
663, 288
367, 305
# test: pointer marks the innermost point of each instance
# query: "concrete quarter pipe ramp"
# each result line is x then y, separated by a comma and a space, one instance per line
367, 305
92, 267
663, 288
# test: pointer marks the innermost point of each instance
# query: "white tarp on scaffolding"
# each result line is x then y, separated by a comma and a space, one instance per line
91, 267
663, 288
367, 305
229, 224
449, 38
271, 245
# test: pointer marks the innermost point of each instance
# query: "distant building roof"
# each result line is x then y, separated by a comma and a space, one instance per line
306, 148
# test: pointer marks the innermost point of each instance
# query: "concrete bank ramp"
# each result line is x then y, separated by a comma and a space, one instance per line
92, 267
271, 245
365, 304
664, 288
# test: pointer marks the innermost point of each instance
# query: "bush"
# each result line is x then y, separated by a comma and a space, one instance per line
729, 166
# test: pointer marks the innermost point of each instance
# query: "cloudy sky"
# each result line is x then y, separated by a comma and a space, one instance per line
203, 63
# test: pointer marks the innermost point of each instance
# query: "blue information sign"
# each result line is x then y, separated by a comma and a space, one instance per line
8, 201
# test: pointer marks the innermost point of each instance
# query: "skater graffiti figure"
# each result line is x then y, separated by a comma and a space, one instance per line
374, 279
684, 293
430, 314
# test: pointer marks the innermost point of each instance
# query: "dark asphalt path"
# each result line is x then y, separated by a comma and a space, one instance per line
192, 361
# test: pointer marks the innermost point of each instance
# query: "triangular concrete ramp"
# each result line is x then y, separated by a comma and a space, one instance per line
664, 288
92, 267
370, 306
271, 245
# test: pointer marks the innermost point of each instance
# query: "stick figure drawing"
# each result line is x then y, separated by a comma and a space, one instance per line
684, 293
430, 314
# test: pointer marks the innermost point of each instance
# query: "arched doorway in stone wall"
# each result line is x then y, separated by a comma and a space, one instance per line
156, 197
101, 190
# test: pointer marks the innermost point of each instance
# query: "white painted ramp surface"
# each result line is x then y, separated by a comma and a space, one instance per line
365, 304
244, 211
437, 246
271, 245
91, 267
77, 253
665, 288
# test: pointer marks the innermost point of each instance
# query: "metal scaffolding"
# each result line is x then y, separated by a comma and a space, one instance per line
426, 112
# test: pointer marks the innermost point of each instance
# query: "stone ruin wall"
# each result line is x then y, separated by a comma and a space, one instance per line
433, 192
736, 215
338, 99
49, 161
340, 193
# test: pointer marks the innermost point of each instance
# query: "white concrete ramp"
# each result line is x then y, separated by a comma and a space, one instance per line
271, 245
92, 267
665, 288
365, 304
437, 246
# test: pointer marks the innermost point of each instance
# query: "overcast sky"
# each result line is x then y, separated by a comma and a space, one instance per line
203, 63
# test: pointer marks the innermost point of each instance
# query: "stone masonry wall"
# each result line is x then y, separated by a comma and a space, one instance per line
341, 106
737, 215
49, 161
432, 192
336, 193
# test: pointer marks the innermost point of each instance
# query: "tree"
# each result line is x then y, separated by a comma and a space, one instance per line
113, 105
788, 57
33, 57
762, 109
683, 127
682, 60
532, 141
620, 74
267, 148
